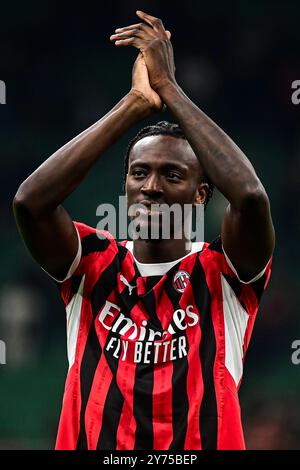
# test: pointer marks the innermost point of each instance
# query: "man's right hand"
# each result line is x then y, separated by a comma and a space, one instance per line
141, 85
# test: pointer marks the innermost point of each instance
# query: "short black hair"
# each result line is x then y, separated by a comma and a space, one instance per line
162, 128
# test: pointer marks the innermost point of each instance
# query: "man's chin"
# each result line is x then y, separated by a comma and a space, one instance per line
153, 231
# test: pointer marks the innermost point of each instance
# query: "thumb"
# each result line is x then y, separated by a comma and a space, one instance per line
168, 34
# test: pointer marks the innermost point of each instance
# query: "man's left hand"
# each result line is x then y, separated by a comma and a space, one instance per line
153, 41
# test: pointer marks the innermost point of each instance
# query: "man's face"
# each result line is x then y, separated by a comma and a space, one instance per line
164, 170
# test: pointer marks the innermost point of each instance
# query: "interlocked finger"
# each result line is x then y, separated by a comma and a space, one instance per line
156, 23
135, 32
130, 41
141, 26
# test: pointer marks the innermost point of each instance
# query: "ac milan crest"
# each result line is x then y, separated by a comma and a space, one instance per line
180, 281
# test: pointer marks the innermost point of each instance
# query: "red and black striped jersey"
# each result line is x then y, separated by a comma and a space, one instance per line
154, 362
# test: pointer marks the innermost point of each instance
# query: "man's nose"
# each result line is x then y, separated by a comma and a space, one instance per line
152, 185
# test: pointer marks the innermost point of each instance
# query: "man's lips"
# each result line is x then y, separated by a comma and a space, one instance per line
150, 207
149, 203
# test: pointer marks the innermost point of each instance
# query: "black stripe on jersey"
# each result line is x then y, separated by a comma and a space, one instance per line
113, 407
180, 403
127, 301
216, 245
208, 411
92, 353
92, 243
236, 287
142, 406
123, 251
258, 286
144, 382
75, 283
89, 364
234, 284
149, 302
151, 282
114, 403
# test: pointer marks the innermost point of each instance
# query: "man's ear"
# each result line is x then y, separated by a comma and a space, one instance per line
201, 194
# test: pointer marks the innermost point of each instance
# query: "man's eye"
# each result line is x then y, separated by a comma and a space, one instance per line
173, 176
138, 173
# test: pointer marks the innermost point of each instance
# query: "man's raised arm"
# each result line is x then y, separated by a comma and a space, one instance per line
247, 230
46, 227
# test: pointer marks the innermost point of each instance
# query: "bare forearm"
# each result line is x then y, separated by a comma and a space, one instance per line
221, 159
61, 173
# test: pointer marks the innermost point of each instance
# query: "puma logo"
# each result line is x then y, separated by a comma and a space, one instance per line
124, 280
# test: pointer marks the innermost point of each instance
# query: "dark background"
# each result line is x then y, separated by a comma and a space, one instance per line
237, 61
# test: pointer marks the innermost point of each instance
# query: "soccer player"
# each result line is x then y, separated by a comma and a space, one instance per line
157, 332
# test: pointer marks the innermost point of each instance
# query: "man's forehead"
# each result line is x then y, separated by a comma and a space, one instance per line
163, 147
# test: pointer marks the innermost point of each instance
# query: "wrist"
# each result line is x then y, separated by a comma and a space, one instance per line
164, 86
170, 93
139, 102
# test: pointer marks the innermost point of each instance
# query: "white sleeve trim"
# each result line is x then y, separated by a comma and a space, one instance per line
258, 276
74, 264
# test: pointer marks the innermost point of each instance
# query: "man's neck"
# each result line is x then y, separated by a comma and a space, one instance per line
160, 251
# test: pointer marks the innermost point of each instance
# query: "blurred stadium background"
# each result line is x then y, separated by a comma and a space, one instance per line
237, 61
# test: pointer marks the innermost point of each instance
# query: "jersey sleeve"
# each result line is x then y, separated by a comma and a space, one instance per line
96, 248
248, 293
236, 304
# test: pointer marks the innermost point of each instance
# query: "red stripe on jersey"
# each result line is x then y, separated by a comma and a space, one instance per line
194, 379
162, 406
95, 405
68, 430
162, 389
250, 299
253, 308
247, 337
231, 433
128, 266
127, 423
99, 266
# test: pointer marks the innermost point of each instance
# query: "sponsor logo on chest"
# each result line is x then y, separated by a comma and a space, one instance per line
139, 343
